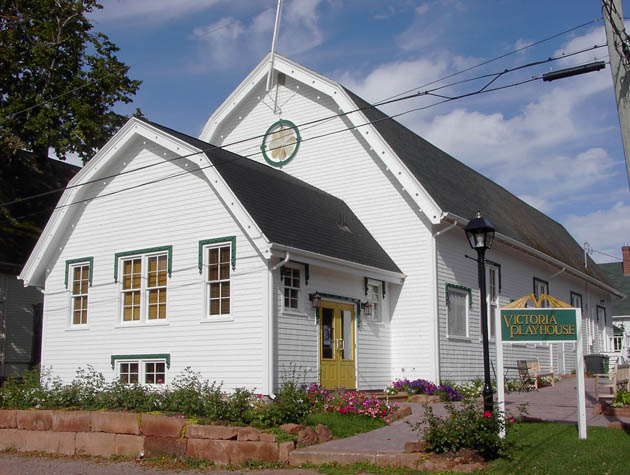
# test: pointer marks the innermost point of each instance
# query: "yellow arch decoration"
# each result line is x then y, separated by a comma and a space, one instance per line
522, 302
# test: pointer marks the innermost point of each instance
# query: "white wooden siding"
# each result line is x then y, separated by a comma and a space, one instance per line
461, 359
178, 212
343, 165
297, 348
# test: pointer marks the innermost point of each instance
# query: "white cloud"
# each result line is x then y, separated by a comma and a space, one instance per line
229, 42
148, 11
606, 230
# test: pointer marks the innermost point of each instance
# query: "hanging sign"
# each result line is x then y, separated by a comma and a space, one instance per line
538, 324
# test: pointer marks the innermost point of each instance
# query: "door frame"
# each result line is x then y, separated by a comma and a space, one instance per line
335, 303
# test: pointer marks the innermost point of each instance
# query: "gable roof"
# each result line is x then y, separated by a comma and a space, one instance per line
461, 191
27, 176
614, 272
292, 212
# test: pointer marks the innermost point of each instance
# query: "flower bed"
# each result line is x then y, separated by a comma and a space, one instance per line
422, 386
349, 402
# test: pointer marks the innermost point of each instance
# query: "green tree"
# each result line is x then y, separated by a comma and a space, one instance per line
59, 80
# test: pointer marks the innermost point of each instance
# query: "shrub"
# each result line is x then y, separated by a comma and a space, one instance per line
290, 405
621, 399
465, 427
190, 394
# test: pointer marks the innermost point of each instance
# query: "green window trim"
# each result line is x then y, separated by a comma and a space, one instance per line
597, 307
149, 356
298, 139
88, 260
498, 266
148, 250
206, 242
460, 287
576, 294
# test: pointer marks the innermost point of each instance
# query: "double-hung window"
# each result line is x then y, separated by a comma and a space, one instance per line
143, 286
291, 282
374, 293
219, 258
80, 282
457, 309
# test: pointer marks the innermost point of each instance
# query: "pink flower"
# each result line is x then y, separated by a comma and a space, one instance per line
487, 414
511, 419
259, 396
160, 381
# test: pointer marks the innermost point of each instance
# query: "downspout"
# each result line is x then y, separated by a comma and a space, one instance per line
436, 303
270, 326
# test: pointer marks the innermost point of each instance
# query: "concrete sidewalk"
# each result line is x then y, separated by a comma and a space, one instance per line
553, 404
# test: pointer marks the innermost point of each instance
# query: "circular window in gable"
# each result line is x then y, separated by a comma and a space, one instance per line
280, 143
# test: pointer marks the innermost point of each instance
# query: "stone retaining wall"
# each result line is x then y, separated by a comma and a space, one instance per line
134, 435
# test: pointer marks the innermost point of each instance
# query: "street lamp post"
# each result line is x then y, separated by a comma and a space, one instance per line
480, 234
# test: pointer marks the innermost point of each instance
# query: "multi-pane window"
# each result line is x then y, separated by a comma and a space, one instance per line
154, 372
156, 287
541, 287
145, 371
457, 305
128, 372
291, 288
144, 280
374, 291
218, 279
80, 283
132, 289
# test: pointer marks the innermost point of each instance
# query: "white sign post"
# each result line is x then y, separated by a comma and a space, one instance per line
541, 325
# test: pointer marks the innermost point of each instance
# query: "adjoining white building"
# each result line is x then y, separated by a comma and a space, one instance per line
178, 253
618, 274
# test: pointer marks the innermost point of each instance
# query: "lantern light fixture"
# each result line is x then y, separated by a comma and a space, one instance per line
316, 300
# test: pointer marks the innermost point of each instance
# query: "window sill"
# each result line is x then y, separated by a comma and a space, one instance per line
217, 319
142, 324
77, 328
466, 339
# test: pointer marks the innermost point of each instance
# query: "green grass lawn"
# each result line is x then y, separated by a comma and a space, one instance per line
543, 448
555, 448
344, 425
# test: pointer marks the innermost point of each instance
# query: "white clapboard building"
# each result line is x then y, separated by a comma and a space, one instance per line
176, 253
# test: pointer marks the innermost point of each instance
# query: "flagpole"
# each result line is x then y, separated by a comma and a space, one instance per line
273, 44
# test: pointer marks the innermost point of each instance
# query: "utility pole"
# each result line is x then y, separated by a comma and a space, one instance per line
619, 51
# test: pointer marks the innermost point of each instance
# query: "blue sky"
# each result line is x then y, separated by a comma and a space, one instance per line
556, 145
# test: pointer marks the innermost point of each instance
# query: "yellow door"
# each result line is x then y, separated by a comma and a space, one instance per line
337, 345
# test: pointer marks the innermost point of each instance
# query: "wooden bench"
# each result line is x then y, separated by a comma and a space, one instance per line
607, 385
530, 372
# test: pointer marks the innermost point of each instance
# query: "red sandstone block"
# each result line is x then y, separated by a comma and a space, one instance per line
71, 421
62, 443
397, 460
249, 433
164, 446
115, 422
284, 449
211, 432
299, 457
95, 443
11, 439
34, 420
214, 450
8, 419
129, 445
241, 452
412, 446
161, 426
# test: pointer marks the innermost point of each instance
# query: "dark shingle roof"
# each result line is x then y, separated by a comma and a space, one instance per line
22, 223
293, 213
460, 190
614, 272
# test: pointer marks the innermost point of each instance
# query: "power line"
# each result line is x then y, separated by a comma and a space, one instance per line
353, 127
483, 63
312, 123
